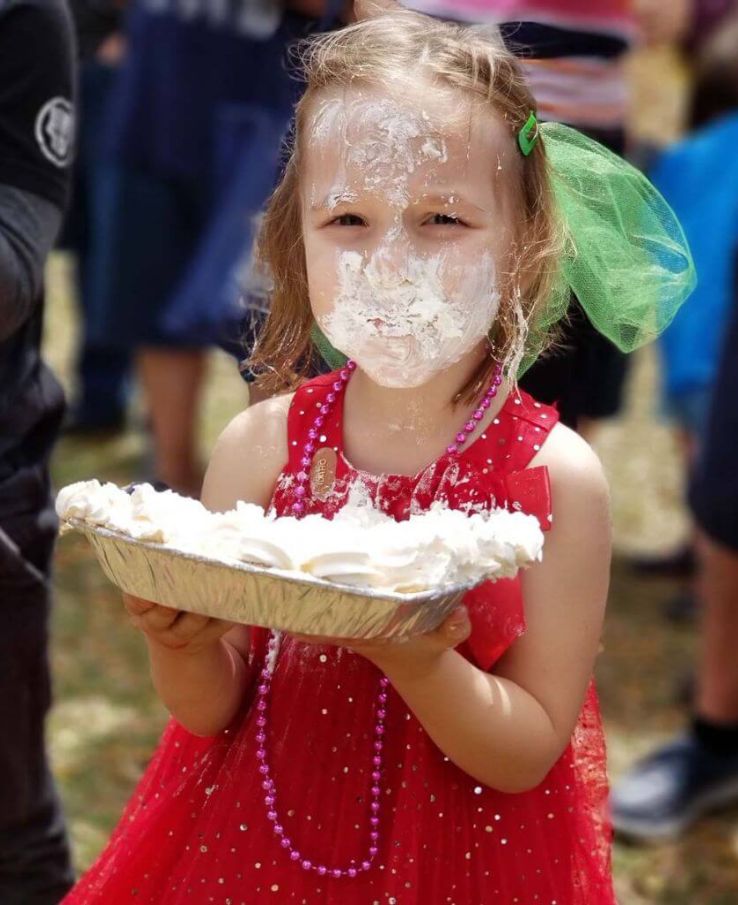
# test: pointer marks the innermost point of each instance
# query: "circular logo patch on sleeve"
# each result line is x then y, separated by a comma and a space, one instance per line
55, 130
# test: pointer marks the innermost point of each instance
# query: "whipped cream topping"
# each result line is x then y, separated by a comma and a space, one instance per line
360, 546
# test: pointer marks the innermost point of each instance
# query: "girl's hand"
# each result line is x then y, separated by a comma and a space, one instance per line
174, 629
412, 657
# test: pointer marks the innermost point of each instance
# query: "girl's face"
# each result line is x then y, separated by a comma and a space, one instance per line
406, 211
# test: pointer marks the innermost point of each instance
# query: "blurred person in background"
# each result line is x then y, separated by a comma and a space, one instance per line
697, 772
193, 75
700, 182
102, 366
689, 22
36, 144
690, 27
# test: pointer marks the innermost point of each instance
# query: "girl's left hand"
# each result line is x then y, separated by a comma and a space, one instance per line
411, 657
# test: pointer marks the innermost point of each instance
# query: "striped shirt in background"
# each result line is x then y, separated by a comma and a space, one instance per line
571, 51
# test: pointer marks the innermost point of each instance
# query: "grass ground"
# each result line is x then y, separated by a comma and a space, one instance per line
106, 719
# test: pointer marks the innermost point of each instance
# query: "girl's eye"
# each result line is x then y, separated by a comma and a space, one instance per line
445, 220
347, 220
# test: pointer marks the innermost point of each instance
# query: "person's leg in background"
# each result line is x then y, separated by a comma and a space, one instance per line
717, 687
35, 866
687, 416
713, 496
172, 381
154, 226
698, 772
172, 374
103, 367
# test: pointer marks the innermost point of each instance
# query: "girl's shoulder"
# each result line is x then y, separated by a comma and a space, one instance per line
573, 466
316, 387
248, 456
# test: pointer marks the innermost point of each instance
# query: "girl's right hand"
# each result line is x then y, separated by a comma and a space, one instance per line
174, 629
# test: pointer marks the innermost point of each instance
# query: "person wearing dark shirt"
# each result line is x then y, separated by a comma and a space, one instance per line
696, 772
36, 128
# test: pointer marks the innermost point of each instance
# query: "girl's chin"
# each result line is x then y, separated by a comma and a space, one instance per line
392, 378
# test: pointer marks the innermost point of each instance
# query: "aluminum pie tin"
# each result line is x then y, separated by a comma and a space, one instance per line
254, 595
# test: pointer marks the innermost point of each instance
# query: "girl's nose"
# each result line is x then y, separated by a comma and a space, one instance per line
392, 255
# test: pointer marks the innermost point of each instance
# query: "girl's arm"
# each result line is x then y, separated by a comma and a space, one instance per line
508, 729
200, 666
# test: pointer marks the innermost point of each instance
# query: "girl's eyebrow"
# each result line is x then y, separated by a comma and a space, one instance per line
335, 199
449, 196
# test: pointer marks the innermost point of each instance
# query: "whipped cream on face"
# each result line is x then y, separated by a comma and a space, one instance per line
404, 321
360, 546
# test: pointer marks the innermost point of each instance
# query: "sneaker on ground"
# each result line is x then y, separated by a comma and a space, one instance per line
666, 792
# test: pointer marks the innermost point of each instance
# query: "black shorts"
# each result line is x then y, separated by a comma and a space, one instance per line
583, 376
149, 236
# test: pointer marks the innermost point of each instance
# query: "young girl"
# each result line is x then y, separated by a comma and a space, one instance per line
415, 230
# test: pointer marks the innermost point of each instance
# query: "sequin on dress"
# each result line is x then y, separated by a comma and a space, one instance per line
196, 830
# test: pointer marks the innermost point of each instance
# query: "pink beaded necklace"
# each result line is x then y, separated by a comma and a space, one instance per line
262, 705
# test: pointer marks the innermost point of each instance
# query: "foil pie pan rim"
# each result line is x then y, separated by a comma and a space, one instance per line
292, 576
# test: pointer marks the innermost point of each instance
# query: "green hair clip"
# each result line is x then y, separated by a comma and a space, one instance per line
528, 135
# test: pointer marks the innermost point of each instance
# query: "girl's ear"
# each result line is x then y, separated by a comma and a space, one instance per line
366, 9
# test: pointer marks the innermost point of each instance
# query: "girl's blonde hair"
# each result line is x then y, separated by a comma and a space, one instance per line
382, 51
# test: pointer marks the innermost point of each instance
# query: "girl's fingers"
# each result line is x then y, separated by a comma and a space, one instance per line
136, 606
193, 627
158, 618
173, 628
186, 625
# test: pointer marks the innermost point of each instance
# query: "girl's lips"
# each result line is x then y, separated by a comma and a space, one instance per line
387, 328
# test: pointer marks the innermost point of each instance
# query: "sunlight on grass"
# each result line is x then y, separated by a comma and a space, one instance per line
76, 723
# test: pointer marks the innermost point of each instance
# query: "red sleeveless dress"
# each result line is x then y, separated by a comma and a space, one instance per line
196, 830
